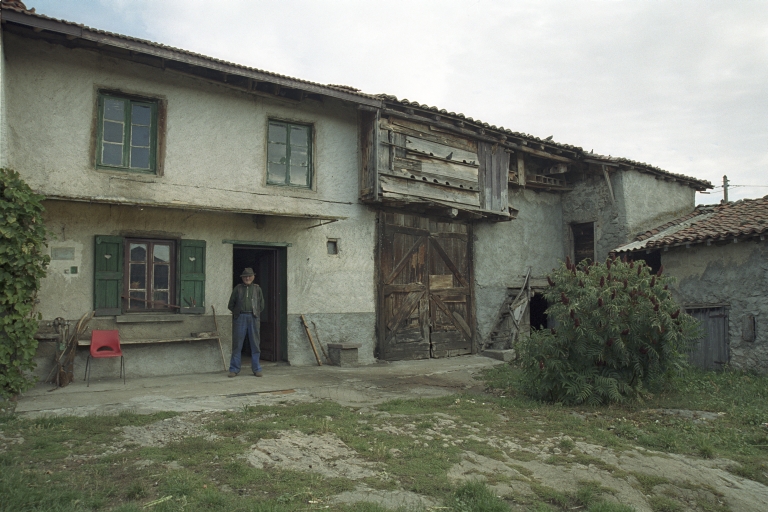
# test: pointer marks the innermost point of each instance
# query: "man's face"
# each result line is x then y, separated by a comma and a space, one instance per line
248, 279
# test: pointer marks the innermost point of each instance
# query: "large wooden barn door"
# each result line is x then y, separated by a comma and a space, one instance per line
425, 300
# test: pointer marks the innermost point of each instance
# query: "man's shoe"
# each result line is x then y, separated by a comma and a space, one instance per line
232, 374
258, 373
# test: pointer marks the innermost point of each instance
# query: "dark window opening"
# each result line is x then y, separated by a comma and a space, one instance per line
538, 307
583, 241
333, 247
653, 259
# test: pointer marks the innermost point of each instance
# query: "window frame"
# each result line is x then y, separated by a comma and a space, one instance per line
128, 101
310, 154
149, 276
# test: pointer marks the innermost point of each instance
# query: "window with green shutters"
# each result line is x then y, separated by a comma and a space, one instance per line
289, 155
140, 275
127, 134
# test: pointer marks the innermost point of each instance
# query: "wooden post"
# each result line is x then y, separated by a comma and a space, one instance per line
311, 340
218, 338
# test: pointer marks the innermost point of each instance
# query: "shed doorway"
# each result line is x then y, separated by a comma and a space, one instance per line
269, 265
713, 350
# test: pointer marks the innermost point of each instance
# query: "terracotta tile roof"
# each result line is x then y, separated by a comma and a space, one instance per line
738, 220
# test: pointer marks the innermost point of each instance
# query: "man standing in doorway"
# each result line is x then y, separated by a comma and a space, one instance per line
246, 304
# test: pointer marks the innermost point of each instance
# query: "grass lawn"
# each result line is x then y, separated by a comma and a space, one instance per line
100, 462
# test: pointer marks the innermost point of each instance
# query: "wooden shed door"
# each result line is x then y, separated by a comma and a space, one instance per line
425, 300
712, 352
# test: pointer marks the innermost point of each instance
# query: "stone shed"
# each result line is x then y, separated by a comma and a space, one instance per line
719, 255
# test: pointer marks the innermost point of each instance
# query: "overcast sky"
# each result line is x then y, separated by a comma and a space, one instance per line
681, 85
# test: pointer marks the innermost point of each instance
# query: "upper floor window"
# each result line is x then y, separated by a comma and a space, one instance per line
127, 136
288, 154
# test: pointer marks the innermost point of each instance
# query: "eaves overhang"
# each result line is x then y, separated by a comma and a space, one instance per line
76, 35
181, 205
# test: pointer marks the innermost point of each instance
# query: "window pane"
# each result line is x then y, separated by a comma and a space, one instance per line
161, 277
141, 114
161, 297
162, 253
140, 158
112, 154
276, 173
138, 276
299, 167
138, 304
139, 136
114, 110
299, 176
277, 132
113, 132
138, 252
277, 153
299, 136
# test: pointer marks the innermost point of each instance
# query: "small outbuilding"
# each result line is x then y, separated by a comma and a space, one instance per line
719, 255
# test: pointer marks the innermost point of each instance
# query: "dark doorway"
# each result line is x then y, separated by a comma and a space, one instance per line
583, 241
538, 307
268, 263
652, 259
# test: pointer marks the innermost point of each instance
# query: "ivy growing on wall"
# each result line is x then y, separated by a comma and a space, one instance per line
23, 264
618, 332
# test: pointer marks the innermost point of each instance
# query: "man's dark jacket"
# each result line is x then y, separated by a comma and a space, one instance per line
237, 300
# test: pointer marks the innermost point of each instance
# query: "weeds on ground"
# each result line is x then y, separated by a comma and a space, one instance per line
740, 432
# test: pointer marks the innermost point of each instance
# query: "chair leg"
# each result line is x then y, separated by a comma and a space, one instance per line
87, 371
122, 368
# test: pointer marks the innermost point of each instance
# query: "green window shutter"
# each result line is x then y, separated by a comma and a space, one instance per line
108, 275
192, 276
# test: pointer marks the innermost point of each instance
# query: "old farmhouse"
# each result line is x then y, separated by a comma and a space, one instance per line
388, 224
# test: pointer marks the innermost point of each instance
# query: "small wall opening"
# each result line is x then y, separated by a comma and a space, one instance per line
538, 308
652, 259
583, 241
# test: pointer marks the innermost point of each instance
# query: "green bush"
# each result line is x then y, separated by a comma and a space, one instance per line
618, 332
22, 266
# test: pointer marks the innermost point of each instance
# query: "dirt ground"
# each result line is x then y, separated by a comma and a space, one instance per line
517, 465
694, 479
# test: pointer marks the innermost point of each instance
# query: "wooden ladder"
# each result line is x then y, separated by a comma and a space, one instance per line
506, 329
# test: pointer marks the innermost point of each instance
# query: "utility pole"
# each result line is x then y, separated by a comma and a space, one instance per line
725, 189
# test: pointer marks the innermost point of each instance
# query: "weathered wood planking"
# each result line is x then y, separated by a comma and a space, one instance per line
424, 296
427, 133
440, 150
429, 177
420, 189
450, 171
494, 169
369, 145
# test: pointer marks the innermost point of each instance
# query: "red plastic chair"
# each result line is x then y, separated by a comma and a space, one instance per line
105, 344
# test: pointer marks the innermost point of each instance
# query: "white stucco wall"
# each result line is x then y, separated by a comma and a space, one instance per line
215, 137
504, 250
336, 291
732, 274
649, 202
